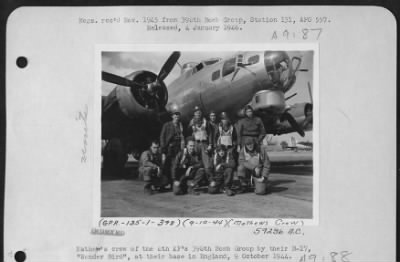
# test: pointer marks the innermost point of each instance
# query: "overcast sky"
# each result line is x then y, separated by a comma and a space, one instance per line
124, 63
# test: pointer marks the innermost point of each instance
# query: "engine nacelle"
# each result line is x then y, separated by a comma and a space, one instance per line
135, 101
267, 101
127, 103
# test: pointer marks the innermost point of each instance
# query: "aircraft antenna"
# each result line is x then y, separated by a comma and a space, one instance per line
287, 98
180, 66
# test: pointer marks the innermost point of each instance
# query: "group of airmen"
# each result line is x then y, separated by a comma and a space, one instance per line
209, 155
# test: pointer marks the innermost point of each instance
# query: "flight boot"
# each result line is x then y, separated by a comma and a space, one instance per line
213, 188
243, 186
192, 190
229, 192
148, 190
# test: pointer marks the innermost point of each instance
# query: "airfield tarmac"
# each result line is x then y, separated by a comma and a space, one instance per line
290, 196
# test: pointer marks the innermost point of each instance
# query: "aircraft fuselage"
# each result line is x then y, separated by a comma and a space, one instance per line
229, 84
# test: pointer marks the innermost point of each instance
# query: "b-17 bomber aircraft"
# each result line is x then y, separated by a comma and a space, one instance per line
134, 111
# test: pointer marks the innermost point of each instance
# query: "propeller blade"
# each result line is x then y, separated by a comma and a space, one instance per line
307, 121
168, 65
293, 123
287, 98
118, 80
309, 91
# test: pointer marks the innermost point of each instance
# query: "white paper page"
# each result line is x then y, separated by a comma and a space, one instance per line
341, 208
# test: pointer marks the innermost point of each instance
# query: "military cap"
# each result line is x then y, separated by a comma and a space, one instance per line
248, 140
224, 115
248, 107
175, 112
190, 139
196, 108
220, 147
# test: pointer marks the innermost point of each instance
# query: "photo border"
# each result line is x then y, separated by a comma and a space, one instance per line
295, 46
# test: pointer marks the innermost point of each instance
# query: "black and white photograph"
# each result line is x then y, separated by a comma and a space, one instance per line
207, 133
200, 133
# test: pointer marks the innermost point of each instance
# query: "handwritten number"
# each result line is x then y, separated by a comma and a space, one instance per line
286, 34
319, 31
333, 255
344, 255
305, 33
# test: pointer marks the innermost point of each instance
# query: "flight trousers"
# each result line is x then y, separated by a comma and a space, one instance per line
150, 176
222, 179
193, 180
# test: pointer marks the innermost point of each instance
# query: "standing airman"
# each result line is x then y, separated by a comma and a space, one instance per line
202, 132
250, 126
226, 132
214, 124
172, 141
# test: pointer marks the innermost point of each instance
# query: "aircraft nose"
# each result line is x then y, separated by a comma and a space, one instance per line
278, 67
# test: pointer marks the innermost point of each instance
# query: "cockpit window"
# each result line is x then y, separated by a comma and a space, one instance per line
253, 59
199, 67
215, 75
229, 66
279, 68
240, 59
210, 62
282, 66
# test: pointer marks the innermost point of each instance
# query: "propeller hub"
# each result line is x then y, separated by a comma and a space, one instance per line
152, 88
